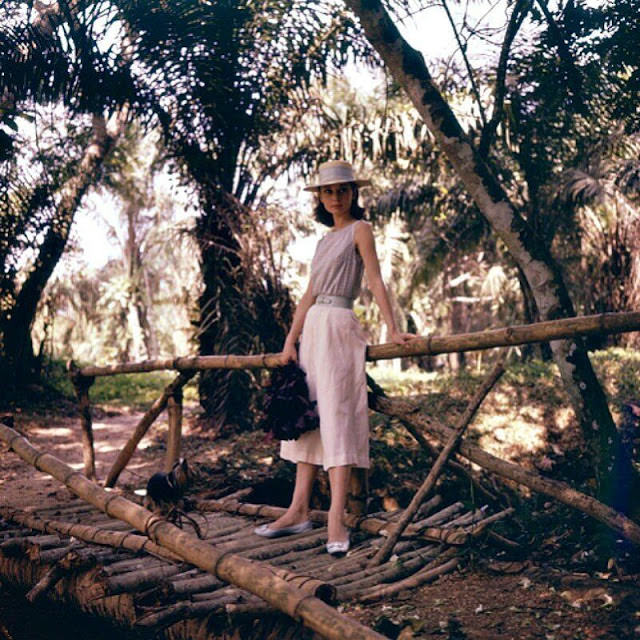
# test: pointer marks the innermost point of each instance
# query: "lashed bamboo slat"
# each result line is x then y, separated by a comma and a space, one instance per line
429, 572
141, 579
605, 323
561, 491
247, 574
370, 525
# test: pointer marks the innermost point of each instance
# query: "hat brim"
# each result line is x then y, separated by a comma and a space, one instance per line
316, 187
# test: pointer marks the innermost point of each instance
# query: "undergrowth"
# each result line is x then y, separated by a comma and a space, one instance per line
133, 390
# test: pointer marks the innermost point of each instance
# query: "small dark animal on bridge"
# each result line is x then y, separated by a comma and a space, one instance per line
168, 489
165, 495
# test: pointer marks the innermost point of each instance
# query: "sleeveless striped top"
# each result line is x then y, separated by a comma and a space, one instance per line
337, 268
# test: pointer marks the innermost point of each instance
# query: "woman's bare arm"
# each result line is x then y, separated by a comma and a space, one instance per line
365, 242
289, 353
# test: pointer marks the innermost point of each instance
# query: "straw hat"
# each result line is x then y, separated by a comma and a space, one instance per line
335, 172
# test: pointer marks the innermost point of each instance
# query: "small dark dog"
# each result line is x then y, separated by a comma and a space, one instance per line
168, 489
165, 495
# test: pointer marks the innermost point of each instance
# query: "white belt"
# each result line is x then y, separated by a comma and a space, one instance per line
335, 301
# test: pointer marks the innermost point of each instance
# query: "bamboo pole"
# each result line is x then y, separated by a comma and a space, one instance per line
82, 384
197, 584
604, 323
138, 580
189, 363
561, 491
174, 435
135, 564
481, 393
143, 426
247, 574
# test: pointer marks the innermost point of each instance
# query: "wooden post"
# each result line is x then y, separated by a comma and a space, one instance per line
82, 384
385, 550
358, 491
174, 435
143, 426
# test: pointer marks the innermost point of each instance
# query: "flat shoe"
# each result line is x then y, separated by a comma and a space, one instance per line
266, 531
335, 548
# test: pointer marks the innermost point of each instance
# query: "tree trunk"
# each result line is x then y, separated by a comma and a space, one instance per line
224, 316
613, 471
244, 306
142, 333
18, 348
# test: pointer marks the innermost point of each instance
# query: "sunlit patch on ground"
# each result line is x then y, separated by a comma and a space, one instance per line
51, 432
510, 436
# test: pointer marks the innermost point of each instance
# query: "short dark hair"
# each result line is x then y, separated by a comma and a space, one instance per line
324, 217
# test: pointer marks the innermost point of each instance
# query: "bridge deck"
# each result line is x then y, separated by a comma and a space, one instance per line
148, 593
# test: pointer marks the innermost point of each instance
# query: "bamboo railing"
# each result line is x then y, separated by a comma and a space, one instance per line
604, 323
171, 398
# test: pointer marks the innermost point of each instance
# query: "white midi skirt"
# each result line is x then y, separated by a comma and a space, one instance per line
332, 354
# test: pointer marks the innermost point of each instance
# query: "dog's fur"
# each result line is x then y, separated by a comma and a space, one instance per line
167, 489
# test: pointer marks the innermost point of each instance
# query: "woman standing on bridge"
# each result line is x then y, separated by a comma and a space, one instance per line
332, 354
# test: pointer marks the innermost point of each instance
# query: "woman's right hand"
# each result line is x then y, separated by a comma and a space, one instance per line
289, 354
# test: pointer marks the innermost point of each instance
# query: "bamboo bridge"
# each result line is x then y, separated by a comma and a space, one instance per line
108, 556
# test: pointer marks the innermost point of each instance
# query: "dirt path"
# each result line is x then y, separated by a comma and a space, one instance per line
21, 485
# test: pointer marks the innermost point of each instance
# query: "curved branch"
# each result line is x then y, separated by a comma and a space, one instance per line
573, 74
467, 64
515, 22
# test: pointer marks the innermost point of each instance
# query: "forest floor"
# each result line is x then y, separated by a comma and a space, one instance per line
559, 584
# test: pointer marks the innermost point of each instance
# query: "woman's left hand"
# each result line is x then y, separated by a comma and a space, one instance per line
397, 337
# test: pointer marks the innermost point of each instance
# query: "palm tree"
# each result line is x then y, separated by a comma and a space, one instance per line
41, 207
603, 193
